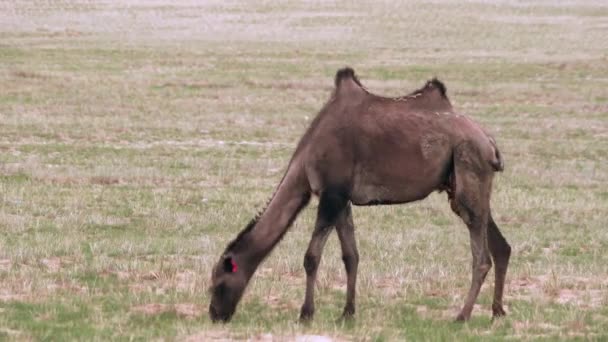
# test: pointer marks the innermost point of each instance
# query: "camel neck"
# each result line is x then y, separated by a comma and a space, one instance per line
262, 234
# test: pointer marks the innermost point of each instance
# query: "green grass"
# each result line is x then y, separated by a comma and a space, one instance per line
136, 142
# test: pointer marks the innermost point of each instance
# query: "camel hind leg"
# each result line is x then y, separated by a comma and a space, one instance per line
501, 252
470, 199
350, 256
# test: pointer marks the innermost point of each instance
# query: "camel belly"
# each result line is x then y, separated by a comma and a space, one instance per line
373, 190
402, 172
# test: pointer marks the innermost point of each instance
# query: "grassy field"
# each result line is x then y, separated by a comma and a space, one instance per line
136, 140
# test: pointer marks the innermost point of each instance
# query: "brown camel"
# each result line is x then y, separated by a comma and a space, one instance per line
365, 149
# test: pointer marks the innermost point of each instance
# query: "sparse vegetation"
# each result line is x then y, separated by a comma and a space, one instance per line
137, 140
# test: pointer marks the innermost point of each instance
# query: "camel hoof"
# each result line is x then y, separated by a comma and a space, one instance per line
461, 318
305, 319
306, 314
498, 311
347, 316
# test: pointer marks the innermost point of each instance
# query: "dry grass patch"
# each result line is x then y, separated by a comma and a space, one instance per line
137, 139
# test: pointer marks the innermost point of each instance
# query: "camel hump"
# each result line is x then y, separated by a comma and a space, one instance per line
437, 84
346, 73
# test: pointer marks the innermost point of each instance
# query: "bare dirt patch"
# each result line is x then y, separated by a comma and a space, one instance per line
121, 275
16, 334
282, 85
104, 180
450, 313
277, 301
5, 264
29, 74
188, 310
68, 286
211, 335
52, 264
185, 281
287, 278
194, 85
158, 282
578, 291
185, 310
152, 309
7, 296
529, 329
390, 286
217, 335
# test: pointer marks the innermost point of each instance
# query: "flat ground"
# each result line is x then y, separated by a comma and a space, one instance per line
137, 139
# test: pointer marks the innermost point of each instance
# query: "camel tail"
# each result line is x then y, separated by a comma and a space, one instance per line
498, 163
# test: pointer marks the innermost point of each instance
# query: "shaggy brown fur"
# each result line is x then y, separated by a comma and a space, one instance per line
365, 149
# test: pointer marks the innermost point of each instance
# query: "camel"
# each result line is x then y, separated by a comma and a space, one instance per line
363, 149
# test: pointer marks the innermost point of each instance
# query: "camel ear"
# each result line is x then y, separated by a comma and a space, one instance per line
229, 265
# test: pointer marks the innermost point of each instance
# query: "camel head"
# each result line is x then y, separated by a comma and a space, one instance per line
228, 282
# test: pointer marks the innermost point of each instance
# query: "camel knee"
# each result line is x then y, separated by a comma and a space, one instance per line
485, 267
311, 263
351, 261
482, 264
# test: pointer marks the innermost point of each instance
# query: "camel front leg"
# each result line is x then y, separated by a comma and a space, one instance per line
311, 265
331, 206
